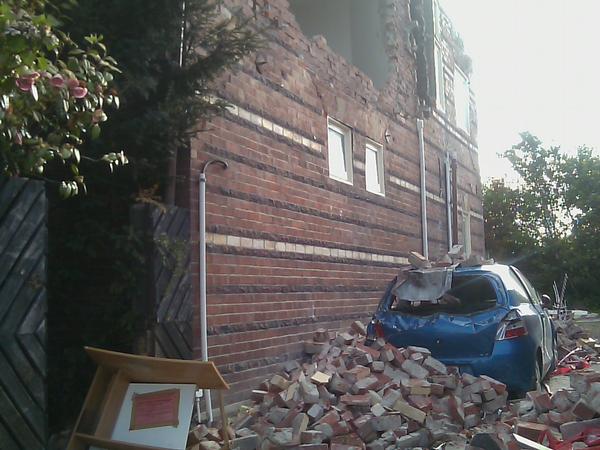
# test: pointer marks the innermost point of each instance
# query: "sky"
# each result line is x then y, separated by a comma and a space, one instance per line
535, 68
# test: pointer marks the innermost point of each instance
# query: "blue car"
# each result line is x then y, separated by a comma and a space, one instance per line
486, 320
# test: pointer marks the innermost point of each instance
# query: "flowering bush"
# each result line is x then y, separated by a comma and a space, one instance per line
53, 94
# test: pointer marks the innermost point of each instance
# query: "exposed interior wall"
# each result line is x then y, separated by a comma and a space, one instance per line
353, 28
368, 45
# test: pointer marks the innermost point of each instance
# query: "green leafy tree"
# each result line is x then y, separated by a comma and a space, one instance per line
53, 94
542, 186
582, 199
507, 234
550, 223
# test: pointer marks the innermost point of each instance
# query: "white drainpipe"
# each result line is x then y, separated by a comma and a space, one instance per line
202, 281
448, 201
423, 189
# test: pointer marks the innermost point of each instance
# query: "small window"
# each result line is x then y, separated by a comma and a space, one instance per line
340, 151
374, 168
462, 101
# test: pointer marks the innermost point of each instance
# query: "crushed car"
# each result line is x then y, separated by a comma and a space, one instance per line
486, 320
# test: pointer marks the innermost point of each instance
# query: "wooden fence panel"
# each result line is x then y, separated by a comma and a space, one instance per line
23, 247
166, 301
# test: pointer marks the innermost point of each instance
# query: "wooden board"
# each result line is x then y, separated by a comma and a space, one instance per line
146, 369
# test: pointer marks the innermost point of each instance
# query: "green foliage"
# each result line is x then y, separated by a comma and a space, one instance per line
550, 223
53, 94
543, 186
506, 222
166, 88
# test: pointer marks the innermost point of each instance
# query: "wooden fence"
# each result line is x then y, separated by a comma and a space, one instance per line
165, 302
23, 246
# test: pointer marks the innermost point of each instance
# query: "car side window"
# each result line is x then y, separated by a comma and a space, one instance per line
516, 289
532, 292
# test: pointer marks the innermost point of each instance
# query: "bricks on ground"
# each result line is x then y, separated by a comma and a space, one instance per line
355, 394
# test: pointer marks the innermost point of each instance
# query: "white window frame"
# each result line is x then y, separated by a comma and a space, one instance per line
378, 148
346, 133
462, 111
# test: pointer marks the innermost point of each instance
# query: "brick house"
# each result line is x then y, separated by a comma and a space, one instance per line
321, 202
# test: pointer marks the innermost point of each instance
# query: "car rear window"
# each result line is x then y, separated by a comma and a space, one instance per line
469, 294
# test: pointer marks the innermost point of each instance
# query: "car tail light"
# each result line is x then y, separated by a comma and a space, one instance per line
377, 328
512, 326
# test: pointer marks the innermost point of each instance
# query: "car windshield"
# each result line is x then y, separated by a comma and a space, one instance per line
468, 294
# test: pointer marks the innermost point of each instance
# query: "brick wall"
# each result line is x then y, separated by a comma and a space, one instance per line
289, 248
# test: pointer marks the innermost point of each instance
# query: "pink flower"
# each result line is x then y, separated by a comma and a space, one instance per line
57, 81
18, 138
78, 92
24, 83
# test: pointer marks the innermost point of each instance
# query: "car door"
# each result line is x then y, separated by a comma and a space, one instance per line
548, 338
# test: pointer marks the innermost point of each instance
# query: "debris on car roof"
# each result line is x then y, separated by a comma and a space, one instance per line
423, 285
455, 257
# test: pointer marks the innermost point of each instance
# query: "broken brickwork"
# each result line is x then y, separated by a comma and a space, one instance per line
291, 249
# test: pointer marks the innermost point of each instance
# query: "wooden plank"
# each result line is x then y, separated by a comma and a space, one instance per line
31, 378
7, 440
22, 432
92, 407
25, 407
112, 404
10, 189
160, 370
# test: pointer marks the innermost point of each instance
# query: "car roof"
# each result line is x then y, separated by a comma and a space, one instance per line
498, 269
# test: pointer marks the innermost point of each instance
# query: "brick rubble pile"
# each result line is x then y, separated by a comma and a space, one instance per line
379, 397
574, 344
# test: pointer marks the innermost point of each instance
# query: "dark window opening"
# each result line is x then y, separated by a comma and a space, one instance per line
469, 294
353, 28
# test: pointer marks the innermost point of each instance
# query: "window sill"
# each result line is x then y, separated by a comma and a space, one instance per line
341, 180
381, 194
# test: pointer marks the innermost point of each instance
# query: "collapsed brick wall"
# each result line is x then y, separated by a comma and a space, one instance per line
291, 250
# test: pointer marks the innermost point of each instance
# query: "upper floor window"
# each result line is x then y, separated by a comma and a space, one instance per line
462, 100
374, 168
339, 145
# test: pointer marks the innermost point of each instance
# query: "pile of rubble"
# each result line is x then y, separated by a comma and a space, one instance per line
357, 396
576, 349
377, 397
566, 419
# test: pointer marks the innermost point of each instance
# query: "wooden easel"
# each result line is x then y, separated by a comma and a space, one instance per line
114, 374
